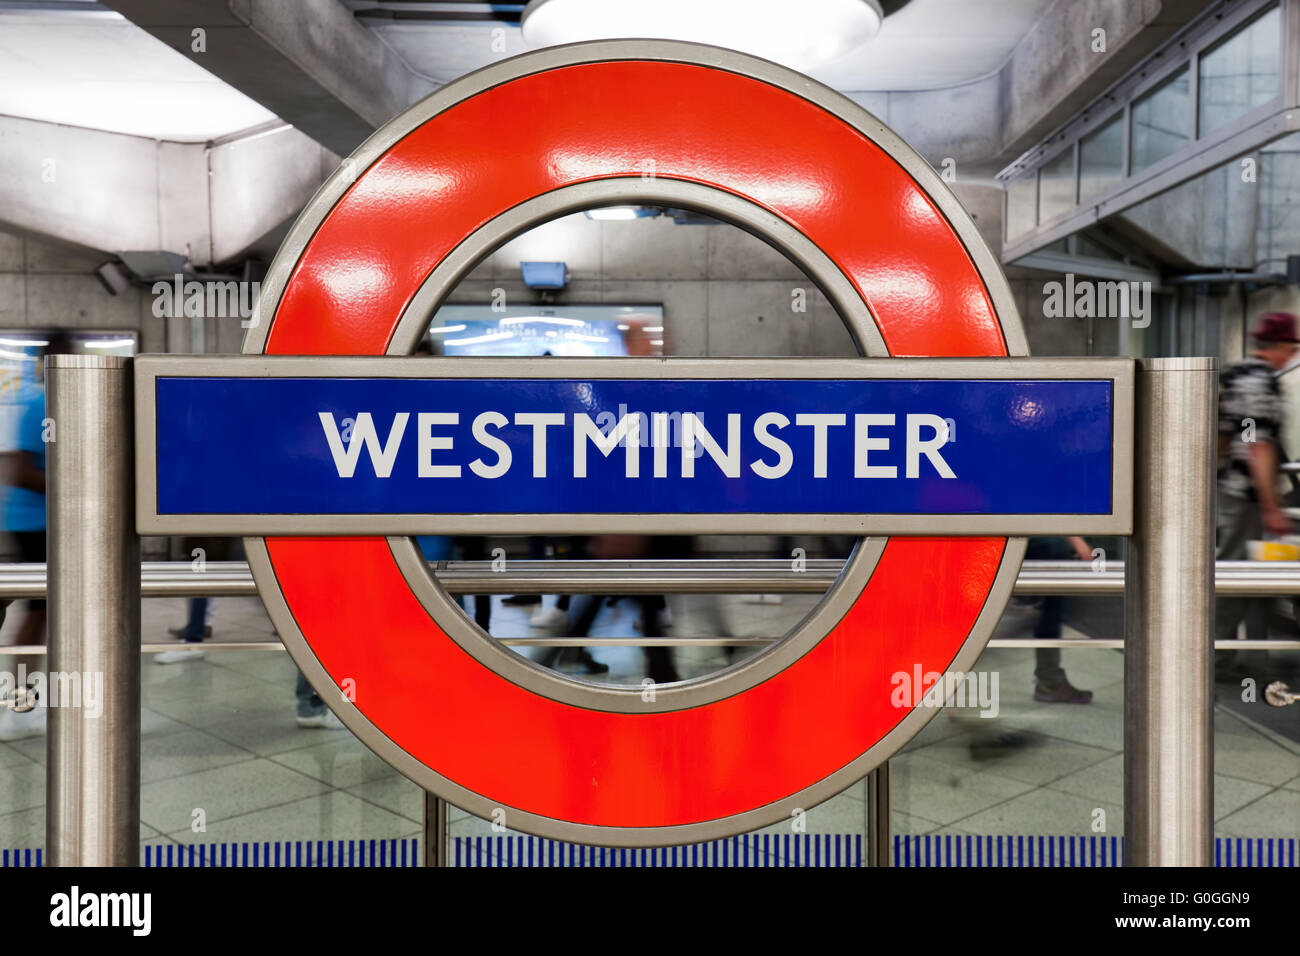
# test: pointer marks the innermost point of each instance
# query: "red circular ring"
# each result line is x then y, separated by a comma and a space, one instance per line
516, 141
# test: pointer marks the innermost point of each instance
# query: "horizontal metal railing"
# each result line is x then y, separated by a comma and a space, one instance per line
690, 576
693, 576
687, 576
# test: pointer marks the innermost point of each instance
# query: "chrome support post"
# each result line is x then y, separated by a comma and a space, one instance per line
92, 800
1169, 619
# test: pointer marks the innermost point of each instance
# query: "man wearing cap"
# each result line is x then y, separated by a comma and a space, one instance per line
1250, 425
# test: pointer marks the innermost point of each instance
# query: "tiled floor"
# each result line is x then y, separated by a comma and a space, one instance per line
225, 761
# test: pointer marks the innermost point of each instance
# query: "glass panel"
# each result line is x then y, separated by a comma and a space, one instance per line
1056, 186
1256, 748
1028, 758
1278, 232
1022, 214
1101, 158
1162, 121
1241, 73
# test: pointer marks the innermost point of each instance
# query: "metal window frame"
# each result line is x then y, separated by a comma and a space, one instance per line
1252, 129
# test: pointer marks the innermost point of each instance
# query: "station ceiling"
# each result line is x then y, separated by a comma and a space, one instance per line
78, 64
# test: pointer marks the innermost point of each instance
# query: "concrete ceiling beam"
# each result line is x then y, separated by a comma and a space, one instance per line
308, 61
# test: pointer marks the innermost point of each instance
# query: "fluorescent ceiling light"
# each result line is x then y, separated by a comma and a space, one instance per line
480, 339
801, 35
109, 343
612, 212
106, 73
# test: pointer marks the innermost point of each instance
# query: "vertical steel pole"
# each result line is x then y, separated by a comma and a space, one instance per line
93, 748
435, 830
1169, 618
878, 808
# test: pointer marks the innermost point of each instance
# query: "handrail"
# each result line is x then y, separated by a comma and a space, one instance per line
687, 576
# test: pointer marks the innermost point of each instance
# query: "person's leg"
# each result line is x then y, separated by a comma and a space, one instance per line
1048, 672
196, 625
195, 630
309, 701
474, 548
587, 609
586, 616
311, 710
1050, 682
569, 549
659, 660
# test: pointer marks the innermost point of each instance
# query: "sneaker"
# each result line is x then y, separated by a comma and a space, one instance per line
324, 719
178, 656
15, 725
179, 632
517, 600
549, 617
1063, 693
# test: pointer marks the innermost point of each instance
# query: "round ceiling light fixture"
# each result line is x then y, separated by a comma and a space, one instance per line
800, 35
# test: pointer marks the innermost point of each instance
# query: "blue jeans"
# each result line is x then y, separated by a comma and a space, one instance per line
194, 626
1048, 671
309, 702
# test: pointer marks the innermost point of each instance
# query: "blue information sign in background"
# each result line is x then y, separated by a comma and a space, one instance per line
281, 446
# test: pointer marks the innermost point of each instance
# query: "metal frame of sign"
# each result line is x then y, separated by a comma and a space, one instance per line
528, 140
1119, 372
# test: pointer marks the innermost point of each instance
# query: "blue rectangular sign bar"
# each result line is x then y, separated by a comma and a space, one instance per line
265, 446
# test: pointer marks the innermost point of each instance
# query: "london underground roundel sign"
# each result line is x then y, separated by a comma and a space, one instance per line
507, 446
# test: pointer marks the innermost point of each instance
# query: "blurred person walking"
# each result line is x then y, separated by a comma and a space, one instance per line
24, 518
198, 624
1050, 683
1251, 421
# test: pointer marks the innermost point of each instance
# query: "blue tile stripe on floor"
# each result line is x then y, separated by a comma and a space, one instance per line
403, 852
22, 857
756, 849
999, 850
759, 849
